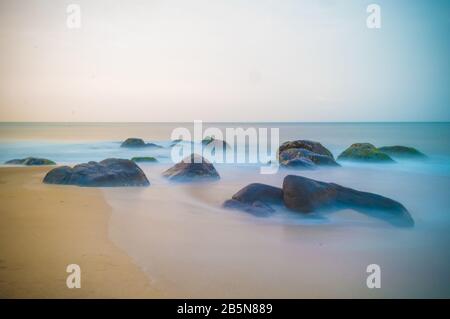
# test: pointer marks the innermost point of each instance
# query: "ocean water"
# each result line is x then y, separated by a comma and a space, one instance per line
191, 247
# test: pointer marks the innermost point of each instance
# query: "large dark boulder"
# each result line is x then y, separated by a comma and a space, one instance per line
31, 161
306, 195
256, 199
107, 173
402, 152
364, 152
133, 142
192, 168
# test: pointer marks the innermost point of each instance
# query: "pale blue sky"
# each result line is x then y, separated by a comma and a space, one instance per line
224, 60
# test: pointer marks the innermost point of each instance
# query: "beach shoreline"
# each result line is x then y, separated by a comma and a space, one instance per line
44, 228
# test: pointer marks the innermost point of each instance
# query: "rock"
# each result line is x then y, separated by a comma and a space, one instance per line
191, 168
256, 208
402, 152
255, 198
137, 142
176, 142
299, 157
259, 192
147, 159
311, 146
305, 154
213, 143
307, 195
107, 173
31, 161
364, 152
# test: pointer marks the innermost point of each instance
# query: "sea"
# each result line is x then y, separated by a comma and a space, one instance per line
190, 246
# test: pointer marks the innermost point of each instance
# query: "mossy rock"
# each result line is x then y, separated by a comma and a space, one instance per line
402, 151
364, 152
31, 161
145, 159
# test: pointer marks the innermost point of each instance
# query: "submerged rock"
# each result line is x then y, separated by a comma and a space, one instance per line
402, 151
305, 154
137, 142
176, 142
31, 161
145, 159
192, 168
211, 144
364, 152
212, 140
107, 173
306, 195
256, 208
256, 198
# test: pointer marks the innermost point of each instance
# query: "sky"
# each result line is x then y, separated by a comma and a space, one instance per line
224, 60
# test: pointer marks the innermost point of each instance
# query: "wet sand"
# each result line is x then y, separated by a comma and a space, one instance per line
43, 228
192, 248
171, 240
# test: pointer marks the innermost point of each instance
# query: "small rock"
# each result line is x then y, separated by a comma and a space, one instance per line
402, 152
137, 142
31, 161
311, 146
146, 159
192, 168
299, 157
364, 152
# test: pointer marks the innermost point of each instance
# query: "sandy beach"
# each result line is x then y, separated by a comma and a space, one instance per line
44, 228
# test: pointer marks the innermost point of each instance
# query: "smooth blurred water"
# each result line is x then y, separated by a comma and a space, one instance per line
191, 247
70, 143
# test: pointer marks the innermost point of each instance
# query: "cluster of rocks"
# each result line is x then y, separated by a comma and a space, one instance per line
305, 195
114, 172
300, 194
307, 154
